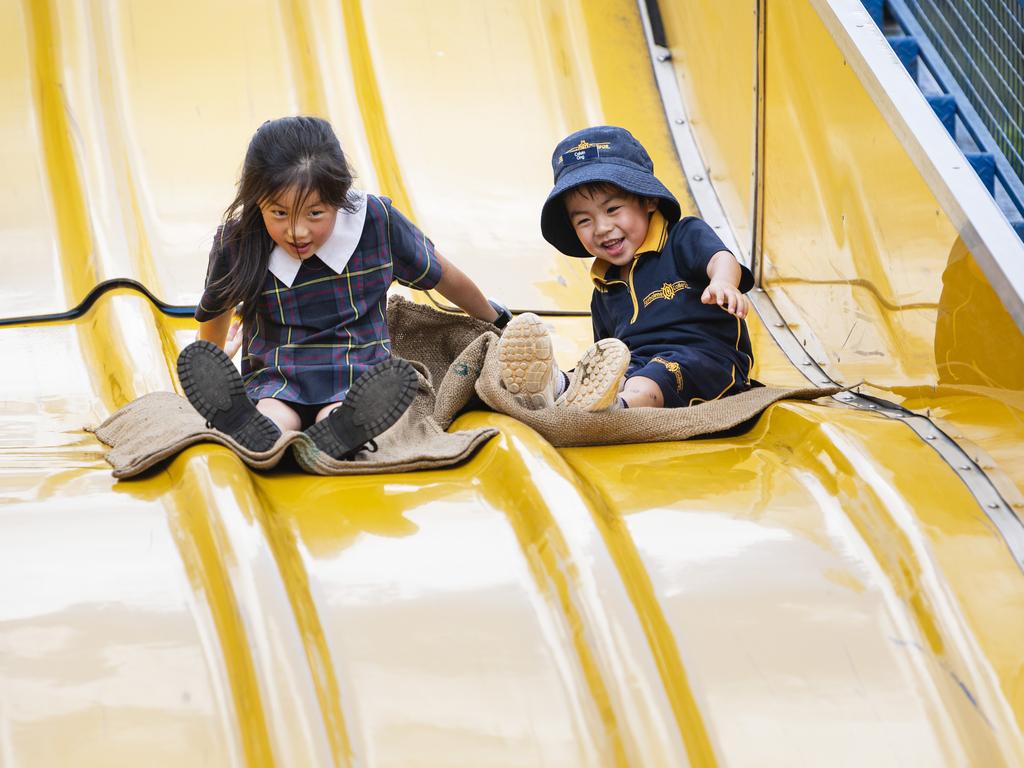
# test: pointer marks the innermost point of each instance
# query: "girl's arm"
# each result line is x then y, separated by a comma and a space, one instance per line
455, 286
216, 330
724, 273
228, 338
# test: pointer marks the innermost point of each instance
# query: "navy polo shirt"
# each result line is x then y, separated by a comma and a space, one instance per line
653, 304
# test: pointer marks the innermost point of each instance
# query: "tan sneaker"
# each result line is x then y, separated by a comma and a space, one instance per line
528, 368
595, 383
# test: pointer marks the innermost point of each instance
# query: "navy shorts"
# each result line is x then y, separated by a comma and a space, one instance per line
688, 376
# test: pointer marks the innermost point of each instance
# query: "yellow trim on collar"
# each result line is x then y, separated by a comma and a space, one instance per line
657, 237
598, 270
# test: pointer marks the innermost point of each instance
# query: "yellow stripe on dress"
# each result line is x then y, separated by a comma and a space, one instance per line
349, 345
277, 365
356, 273
427, 252
387, 229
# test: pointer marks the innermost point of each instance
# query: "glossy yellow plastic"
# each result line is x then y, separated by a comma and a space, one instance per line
858, 255
863, 261
821, 586
714, 51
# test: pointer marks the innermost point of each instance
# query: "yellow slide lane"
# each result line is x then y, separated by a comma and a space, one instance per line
823, 589
857, 252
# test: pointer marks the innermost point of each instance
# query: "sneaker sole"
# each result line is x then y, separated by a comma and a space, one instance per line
215, 389
527, 362
374, 402
594, 384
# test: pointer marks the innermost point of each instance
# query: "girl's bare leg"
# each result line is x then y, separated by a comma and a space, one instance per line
280, 413
641, 392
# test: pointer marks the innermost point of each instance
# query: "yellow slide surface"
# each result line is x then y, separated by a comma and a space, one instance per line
837, 586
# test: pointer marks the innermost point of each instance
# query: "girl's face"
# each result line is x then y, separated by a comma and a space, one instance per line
300, 233
610, 224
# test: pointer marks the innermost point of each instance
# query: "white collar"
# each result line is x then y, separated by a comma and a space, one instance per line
335, 252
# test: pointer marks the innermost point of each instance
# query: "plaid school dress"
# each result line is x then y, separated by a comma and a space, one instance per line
317, 332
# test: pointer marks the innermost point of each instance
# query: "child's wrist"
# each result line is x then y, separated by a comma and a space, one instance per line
504, 315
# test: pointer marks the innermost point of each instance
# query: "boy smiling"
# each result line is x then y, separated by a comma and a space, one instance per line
668, 307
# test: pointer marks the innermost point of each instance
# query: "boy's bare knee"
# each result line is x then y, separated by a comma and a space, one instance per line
641, 392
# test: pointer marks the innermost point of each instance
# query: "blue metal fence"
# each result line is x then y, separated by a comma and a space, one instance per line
982, 42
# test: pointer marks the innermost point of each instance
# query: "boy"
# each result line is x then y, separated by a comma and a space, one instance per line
668, 303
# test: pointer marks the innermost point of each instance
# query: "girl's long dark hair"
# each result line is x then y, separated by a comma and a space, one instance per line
299, 152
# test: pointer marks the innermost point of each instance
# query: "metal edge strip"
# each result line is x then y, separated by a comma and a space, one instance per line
995, 507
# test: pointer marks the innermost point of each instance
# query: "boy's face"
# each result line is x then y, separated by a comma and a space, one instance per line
611, 223
299, 232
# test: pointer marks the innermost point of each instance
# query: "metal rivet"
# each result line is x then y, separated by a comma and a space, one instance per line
993, 506
680, 121
872, 405
780, 325
806, 362
697, 177
965, 467
931, 437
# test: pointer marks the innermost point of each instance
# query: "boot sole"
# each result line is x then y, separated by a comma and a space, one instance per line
215, 389
594, 383
374, 402
527, 361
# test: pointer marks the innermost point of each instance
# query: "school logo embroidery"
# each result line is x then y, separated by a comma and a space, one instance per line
672, 368
667, 291
585, 150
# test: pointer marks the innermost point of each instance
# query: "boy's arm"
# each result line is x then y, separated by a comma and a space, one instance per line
724, 274
456, 286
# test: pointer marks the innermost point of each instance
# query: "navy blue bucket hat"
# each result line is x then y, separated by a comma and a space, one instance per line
603, 153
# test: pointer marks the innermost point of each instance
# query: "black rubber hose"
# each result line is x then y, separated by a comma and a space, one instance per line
175, 310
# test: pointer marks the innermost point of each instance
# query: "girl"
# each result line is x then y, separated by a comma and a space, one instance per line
311, 260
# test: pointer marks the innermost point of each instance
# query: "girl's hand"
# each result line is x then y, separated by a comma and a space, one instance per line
727, 296
234, 340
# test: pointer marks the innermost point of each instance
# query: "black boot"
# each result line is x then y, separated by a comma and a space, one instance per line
213, 386
375, 401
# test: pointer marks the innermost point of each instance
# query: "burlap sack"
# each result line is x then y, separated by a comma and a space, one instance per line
162, 424
459, 356
466, 351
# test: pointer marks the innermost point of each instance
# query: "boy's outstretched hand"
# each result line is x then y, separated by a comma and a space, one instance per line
727, 296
